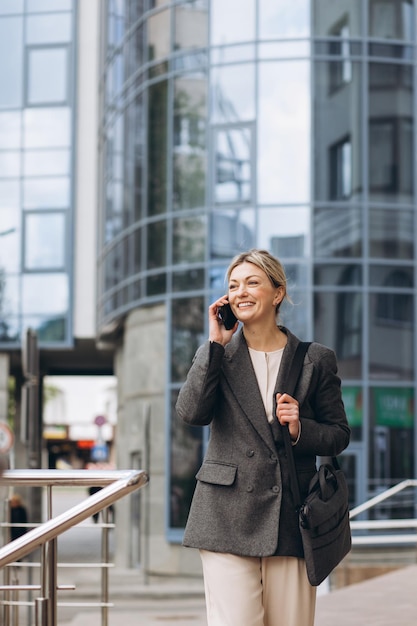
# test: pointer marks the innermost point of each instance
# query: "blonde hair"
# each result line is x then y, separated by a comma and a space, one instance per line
263, 259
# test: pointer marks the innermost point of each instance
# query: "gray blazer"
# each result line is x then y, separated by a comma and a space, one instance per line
242, 503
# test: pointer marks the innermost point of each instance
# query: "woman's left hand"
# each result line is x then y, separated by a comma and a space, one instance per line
288, 413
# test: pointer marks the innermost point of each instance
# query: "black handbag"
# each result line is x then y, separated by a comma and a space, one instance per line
323, 517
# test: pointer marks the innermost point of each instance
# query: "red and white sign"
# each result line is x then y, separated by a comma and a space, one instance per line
6, 438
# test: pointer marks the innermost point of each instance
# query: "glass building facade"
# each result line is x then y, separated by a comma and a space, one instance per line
230, 124
36, 169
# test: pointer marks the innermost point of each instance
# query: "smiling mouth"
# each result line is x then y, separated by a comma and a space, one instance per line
244, 305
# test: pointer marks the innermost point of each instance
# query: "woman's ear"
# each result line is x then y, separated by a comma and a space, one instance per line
279, 296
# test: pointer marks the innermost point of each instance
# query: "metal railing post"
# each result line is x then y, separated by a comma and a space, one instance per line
41, 612
105, 570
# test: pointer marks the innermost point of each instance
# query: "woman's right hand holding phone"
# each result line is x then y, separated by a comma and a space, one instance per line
217, 331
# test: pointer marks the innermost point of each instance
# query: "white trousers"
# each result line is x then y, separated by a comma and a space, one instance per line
251, 591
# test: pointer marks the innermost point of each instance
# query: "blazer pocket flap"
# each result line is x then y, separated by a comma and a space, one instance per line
217, 473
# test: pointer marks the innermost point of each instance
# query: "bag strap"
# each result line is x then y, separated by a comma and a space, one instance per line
291, 384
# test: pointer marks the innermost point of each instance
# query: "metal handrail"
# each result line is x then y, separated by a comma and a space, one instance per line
116, 484
392, 524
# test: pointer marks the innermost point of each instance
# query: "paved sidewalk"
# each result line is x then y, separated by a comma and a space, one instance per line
388, 600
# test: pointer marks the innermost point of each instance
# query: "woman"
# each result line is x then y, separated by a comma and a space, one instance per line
242, 517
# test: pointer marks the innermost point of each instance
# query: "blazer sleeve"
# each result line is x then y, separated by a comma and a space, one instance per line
324, 428
197, 397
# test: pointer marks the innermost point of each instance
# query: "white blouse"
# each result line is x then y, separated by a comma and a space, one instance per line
266, 366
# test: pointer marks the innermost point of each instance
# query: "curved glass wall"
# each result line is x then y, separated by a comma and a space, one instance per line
290, 128
36, 153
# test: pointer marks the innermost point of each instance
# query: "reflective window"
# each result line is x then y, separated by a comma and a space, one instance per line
47, 128
188, 280
156, 244
10, 130
225, 28
157, 148
11, 66
48, 328
337, 232
340, 71
9, 240
233, 166
284, 231
158, 35
190, 162
47, 75
391, 19
328, 17
44, 162
53, 28
44, 241
337, 274
156, 285
11, 6
337, 133
391, 335
186, 455
9, 194
233, 93
44, 193
188, 321
39, 6
9, 298
391, 233
191, 25
189, 239
284, 166
338, 324
231, 232
284, 19
45, 294
9, 164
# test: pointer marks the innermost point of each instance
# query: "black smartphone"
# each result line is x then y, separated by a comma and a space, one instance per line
227, 316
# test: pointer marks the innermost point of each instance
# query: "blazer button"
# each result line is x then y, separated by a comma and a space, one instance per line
273, 458
275, 489
250, 453
249, 489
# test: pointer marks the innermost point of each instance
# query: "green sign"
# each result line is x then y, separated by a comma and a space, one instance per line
394, 406
352, 399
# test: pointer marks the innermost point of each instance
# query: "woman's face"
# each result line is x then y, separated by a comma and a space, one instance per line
252, 296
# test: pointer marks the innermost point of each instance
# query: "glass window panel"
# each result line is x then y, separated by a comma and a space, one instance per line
284, 132
157, 148
157, 245
46, 162
9, 194
191, 25
391, 276
40, 6
45, 294
232, 54
338, 131
338, 324
232, 231
8, 7
284, 231
391, 19
391, 233
10, 130
48, 329
188, 322
391, 335
335, 274
284, 49
190, 162
47, 75
188, 280
225, 28
10, 329
47, 128
46, 193
158, 35
11, 66
328, 16
10, 239
52, 28
285, 19
233, 166
233, 93
337, 232
45, 241
296, 314
156, 284
9, 164
9, 296
186, 455
189, 238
